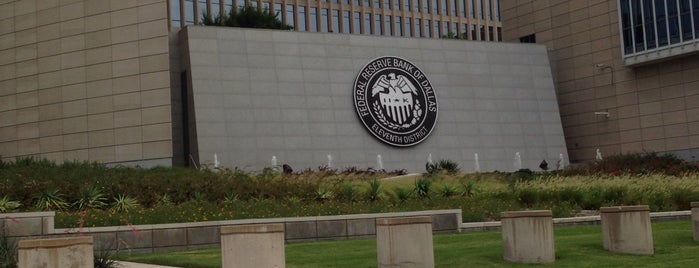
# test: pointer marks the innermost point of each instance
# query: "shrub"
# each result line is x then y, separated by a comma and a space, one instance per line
443, 165
8, 252
636, 163
448, 190
402, 194
7, 205
247, 17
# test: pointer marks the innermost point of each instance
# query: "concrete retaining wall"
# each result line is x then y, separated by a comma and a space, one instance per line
182, 236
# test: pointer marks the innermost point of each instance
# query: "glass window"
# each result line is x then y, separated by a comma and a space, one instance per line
189, 11
367, 23
252, 4
648, 22
336, 21
241, 3
428, 29
387, 4
377, 3
488, 11
474, 35
497, 11
481, 14
408, 27
313, 19
407, 5
472, 8
491, 34
366, 3
462, 8
290, 15
673, 22
686, 19
416, 5
202, 9
175, 13
324, 20
278, 11
396, 4
452, 7
464, 31
345, 21
443, 8
388, 27
399, 26
482, 33
265, 5
215, 8
695, 12
499, 34
434, 6
437, 33
377, 24
227, 5
637, 20
355, 2
426, 6
357, 25
418, 29
302, 19
660, 24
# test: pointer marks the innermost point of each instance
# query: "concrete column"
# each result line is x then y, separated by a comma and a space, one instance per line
695, 219
253, 245
404, 242
627, 229
56, 253
527, 236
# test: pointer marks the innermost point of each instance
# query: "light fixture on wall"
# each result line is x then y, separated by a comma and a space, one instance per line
605, 114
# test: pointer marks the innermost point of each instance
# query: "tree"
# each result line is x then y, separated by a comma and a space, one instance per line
247, 17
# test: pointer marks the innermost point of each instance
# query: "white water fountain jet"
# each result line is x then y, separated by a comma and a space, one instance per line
477, 164
216, 163
518, 161
330, 161
379, 162
274, 161
598, 155
429, 159
561, 161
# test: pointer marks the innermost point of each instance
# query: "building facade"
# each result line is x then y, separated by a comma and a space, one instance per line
137, 83
626, 71
464, 19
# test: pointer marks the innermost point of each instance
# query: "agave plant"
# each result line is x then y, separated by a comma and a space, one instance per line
422, 187
164, 201
124, 203
7, 205
92, 197
51, 199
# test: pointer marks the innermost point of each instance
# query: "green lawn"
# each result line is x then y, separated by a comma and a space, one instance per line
576, 246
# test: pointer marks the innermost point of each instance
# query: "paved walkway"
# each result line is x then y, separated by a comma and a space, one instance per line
125, 264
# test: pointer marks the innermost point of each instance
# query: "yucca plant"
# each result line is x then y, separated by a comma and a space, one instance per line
164, 201
51, 199
230, 198
448, 190
323, 194
375, 190
91, 197
124, 203
7, 205
403, 194
422, 187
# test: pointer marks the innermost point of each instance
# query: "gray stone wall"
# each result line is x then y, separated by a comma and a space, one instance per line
263, 93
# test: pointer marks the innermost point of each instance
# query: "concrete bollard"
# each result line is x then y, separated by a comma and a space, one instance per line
627, 229
56, 252
695, 220
404, 242
527, 236
253, 245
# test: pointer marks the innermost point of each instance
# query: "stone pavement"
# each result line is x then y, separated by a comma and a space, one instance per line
125, 264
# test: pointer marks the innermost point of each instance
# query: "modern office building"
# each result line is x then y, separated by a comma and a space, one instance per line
136, 82
626, 71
